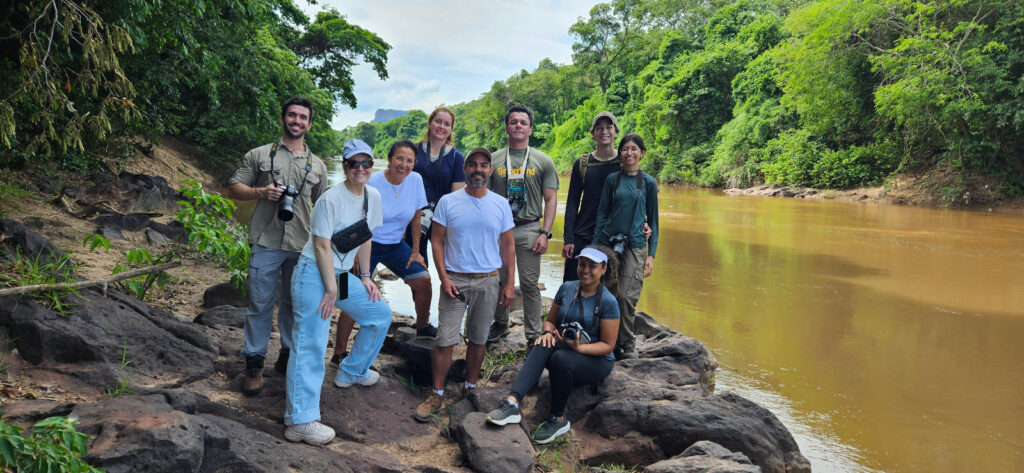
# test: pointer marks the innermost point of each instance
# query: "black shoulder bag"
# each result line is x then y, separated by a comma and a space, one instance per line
350, 237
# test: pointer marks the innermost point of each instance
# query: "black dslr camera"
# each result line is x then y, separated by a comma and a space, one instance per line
569, 331
619, 243
516, 191
285, 206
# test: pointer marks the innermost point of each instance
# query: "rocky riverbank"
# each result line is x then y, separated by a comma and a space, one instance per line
156, 383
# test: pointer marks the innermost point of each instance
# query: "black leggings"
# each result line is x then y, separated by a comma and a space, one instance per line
566, 369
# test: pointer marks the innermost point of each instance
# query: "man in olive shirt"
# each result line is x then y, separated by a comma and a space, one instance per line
528, 179
285, 169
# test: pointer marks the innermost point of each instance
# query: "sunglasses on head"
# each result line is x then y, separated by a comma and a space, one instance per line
365, 164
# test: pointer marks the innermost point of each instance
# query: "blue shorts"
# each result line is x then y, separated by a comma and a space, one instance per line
394, 257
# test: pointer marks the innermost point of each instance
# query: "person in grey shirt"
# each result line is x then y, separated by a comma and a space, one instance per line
272, 175
527, 178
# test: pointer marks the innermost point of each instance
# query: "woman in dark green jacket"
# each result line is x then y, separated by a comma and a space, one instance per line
628, 201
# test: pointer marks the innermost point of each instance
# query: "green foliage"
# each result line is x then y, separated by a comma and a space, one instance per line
122, 386
216, 71
53, 445
140, 285
19, 270
210, 227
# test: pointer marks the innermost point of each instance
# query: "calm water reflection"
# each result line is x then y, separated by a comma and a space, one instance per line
886, 338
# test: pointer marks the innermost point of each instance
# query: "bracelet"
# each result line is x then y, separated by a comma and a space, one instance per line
364, 275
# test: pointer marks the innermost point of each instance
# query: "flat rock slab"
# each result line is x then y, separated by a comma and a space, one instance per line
494, 449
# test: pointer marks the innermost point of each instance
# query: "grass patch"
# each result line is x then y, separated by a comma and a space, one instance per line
12, 192
122, 387
23, 270
557, 456
493, 361
617, 468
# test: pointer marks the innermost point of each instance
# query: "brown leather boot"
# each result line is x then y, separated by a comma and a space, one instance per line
253, 382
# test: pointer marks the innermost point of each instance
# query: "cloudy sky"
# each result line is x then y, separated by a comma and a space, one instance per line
451, 51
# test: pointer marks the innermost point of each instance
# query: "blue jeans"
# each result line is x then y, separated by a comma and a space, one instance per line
269, 269
395, 256
309, 340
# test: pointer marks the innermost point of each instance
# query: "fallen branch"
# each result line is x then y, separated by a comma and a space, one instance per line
95, 282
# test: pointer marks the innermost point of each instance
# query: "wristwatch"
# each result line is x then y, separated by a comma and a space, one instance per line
547, 234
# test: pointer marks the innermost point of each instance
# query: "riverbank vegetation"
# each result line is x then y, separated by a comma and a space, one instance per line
82, 78
829, 93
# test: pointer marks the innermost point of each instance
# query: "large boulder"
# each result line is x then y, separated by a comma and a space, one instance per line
494, 449
222, 294
90, 342
705, 457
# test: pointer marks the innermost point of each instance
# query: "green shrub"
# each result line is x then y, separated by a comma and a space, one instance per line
210, 226
52, 446
49, 268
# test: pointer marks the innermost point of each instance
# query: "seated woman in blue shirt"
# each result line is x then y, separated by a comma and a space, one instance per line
572, 359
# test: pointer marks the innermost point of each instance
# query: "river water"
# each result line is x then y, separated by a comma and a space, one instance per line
885, 338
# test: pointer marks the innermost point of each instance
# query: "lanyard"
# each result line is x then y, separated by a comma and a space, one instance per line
597, 304
508, 164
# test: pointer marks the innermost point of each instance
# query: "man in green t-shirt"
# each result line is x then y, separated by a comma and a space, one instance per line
285, 168
528, 179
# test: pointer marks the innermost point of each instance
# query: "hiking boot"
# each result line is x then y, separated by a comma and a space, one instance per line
337, 357
625, 354
550, 430
506, 413
428, 332
497, 332
253, 382
281, 365
313, 433
429, 408
371, 379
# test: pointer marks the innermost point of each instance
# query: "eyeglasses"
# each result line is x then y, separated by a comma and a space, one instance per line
365, 164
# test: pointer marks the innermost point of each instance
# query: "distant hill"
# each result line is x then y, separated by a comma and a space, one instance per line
385, 115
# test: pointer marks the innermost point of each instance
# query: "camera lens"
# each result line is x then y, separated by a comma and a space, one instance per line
569, 334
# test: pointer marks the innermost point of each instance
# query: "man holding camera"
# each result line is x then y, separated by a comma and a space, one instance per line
284, 178
528, 179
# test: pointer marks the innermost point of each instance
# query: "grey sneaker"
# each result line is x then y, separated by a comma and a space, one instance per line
313, 433
496, 333
550, 430
506, 413
371, 379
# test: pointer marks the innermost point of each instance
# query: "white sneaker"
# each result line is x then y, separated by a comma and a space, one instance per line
313, 433
371, 379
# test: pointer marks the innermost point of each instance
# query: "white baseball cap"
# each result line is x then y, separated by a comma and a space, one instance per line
593, 254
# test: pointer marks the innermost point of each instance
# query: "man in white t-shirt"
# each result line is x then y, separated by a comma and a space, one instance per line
471, 239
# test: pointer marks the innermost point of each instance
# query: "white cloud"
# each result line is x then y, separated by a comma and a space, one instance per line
451, 51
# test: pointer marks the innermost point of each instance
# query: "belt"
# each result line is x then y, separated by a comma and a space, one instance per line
473, 275
524, 221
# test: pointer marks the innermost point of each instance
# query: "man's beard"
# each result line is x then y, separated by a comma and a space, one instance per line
288, 131
477, 184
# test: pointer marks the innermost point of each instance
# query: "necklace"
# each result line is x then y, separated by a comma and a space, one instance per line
387, 174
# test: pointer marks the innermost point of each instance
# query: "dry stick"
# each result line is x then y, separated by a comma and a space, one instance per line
94, 282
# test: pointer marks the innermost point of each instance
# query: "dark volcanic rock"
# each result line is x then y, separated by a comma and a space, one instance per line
27, 241
705, 457
162, 349
144, 433
225, 315
223, 294
151, 192
111, 232
156, 238
171, 230
494, 449
130, 222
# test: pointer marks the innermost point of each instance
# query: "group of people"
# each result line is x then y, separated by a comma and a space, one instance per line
485, 215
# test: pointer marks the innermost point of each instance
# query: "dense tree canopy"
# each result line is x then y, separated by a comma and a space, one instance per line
828, 93
83, 73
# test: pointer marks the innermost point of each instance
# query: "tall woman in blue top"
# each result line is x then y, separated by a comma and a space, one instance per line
628, 201
440, 166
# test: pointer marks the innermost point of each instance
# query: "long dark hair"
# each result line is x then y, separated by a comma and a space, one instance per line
635, 138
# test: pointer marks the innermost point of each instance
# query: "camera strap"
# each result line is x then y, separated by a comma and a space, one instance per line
521, 172
597, 305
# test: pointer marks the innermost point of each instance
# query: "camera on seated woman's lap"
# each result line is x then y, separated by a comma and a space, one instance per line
570, 329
